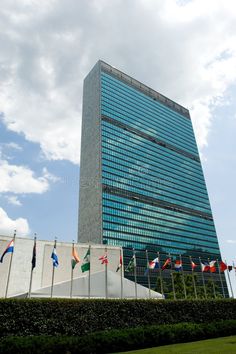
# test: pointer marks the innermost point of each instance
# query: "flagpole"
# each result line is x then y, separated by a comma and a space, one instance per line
72, 272
231, 288
172, 277
222, 286
135, 274
89, 277
213, 283
106, 285
160, 274
53, 268
9, 269
203, 280
182, 269
149, 286
121, 275
193, 279
32, 269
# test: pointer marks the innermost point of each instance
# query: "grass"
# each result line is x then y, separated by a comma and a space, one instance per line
225, 345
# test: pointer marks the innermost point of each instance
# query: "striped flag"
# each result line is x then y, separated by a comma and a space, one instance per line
9, 249
75, 258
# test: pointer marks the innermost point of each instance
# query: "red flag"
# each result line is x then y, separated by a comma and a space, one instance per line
119, 265
167, 264
223, 266
193, 265
212, 266
205, 267
104, 259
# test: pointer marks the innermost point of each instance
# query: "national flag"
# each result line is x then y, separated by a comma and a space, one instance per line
33, 261
223, 266
9, 249
75, 258
230, 268
103, 259
54, 257
131, 265
178, 265
86, 262
193, 265
119, 265
205, 266
167, 264
153, 264
212, 266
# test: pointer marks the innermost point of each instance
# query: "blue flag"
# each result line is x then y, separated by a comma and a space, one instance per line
54, 257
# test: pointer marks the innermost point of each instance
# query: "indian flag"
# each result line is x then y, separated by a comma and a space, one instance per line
86, 262
75, 258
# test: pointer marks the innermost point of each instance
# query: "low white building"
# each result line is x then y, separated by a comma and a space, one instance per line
101, 282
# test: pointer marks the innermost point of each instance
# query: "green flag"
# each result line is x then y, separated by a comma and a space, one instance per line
86, 262
131, 265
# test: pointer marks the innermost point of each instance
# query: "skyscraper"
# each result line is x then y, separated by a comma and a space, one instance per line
141, 179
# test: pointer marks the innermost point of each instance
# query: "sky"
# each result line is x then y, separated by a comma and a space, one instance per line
184, 49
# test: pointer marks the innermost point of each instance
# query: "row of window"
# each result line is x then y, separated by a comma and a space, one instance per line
120, 137
118, 173
129, 114
149, 171
113, 177
169, 114
134, 228
154, 116
132, 241
153, 210
152, 169
157, 222
131, 122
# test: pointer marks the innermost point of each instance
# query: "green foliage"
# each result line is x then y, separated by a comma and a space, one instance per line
22, 317
117, 340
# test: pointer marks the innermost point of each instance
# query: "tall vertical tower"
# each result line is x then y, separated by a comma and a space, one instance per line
141, 179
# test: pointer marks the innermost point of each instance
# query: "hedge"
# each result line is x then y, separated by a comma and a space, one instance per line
118, 340
22, 317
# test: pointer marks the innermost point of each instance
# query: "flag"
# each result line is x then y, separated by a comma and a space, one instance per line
131, 265
86, 262
154, 264
167, 264
33, 262
75, 258
54, 257
223, 266
119, 265
212, 266
230, 268
103, 259
193, 265
205, 266
9, 249
178, 265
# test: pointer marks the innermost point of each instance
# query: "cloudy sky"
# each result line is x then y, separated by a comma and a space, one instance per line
184, 49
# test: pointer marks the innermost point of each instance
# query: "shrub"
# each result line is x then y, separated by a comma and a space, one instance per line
78, 317
117, 340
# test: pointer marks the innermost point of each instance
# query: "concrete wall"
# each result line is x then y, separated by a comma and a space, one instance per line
42, 275
90, 199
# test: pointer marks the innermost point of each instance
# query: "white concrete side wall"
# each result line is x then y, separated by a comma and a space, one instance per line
42, 275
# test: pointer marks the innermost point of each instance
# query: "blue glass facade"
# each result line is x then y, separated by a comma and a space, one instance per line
154, 194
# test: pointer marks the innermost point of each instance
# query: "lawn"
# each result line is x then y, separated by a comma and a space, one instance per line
225, 345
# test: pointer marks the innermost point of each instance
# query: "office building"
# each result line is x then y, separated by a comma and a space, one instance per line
141, 183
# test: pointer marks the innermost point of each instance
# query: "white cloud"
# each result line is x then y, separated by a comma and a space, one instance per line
231, 241
8, 225
184, 49
21, 179
12, 199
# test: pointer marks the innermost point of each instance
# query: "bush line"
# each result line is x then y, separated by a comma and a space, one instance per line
66, 317
118, 340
